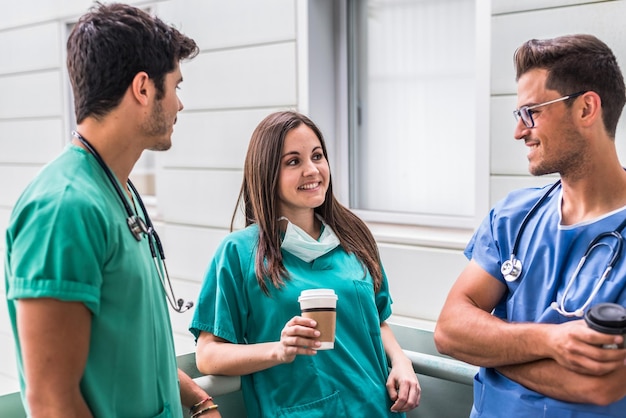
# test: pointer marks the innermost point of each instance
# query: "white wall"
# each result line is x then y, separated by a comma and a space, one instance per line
257, 57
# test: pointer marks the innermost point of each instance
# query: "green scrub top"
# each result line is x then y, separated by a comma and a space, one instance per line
347, 381
68, 239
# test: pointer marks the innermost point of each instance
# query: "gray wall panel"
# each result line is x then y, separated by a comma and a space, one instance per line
511, 30
220, 24
31, 141
198, 197
242, 78
15, 179
30, 48
420, 277
212, 139
189, 249
31, 95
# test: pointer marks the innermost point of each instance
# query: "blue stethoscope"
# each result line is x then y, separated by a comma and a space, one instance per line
512, 269
138, 227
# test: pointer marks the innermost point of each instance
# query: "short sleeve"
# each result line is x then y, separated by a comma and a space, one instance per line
222, 306
483, 248
55, 248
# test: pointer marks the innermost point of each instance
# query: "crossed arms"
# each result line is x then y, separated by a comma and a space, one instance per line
561, 361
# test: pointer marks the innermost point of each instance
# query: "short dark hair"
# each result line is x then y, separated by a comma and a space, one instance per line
577, 63
111, 44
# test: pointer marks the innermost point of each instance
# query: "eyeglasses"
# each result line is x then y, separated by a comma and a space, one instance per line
525, 113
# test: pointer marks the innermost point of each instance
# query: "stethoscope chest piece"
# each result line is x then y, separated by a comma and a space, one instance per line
137, 226
511, 269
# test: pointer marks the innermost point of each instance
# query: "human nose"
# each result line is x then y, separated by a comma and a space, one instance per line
180, 105
310, 168
521, 130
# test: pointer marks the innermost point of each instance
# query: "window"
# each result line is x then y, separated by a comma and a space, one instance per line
412, 107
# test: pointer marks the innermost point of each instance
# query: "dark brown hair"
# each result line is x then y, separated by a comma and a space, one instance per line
577, 63
111, 44
259, 196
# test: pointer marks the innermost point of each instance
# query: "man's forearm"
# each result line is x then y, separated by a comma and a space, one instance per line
550, 379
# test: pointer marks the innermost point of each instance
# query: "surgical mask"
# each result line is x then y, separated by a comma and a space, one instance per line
297, 242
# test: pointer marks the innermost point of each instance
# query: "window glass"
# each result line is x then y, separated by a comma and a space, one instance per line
412, 78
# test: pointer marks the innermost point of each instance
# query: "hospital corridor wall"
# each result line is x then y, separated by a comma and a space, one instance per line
257, 57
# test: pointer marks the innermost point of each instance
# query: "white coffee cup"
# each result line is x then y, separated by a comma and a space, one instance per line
321, 305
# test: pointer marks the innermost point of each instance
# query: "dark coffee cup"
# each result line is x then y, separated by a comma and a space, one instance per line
608, 318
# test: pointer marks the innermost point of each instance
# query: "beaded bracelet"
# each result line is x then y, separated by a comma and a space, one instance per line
195, 406
202, 411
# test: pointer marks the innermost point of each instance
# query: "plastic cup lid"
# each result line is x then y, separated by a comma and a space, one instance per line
317, 293
607, 317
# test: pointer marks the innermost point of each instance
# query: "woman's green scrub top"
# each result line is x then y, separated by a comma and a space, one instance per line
68, 239
347, 381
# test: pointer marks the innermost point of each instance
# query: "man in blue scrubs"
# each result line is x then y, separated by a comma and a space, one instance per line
522, 322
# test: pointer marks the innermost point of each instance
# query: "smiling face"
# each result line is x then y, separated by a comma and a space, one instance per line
160, 123
304, 173
555, 144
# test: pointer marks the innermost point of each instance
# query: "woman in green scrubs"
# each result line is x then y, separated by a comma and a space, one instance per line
297, 237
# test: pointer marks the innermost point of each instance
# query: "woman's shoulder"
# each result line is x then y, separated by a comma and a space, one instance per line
251, 231
242, 239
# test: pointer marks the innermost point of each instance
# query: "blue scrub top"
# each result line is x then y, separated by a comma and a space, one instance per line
348, 381
549, 253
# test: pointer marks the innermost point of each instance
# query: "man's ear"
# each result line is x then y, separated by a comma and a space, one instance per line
590, 107
142, 87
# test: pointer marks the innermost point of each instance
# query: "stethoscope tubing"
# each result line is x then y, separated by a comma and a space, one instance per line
512, 268
138, 226
529, 215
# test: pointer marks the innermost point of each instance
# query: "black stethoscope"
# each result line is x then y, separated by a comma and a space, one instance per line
512, 269
138, 227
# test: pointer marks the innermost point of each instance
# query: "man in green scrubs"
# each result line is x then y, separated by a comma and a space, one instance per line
87, 306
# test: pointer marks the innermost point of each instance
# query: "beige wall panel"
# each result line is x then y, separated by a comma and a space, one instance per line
604, 20
502, 185
30, 48
508, 155
14, 180
226, 24
189, 249
420, 278
507, 6
197, 197
31, 141
31, 95
215, 139
262, 76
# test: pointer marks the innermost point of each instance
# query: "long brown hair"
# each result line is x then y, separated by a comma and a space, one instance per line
259, 196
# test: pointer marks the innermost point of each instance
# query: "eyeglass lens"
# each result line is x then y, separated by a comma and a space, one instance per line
526, 115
